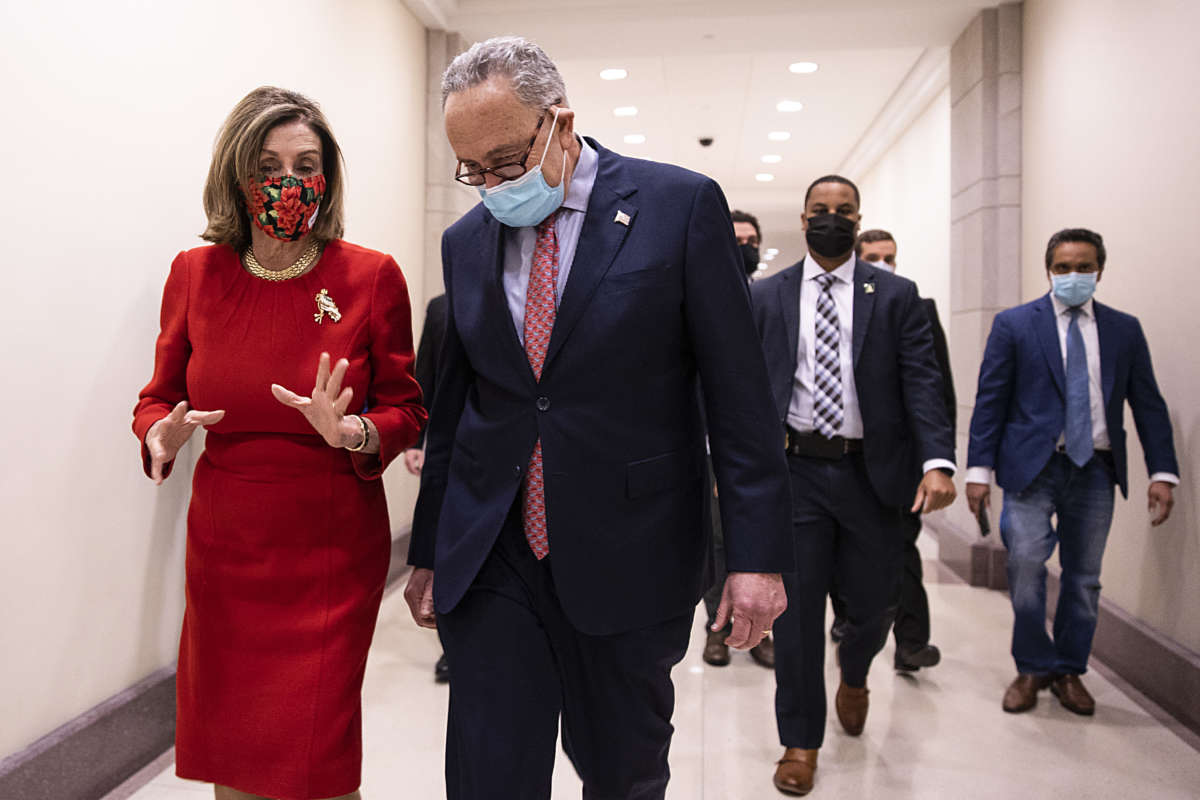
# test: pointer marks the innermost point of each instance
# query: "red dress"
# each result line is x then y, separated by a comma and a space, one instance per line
288, 538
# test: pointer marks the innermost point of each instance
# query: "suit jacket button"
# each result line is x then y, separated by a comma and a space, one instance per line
543, 404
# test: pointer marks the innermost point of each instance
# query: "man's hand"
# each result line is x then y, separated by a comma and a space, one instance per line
753, 600
419, 596
935, 492
1161, 501
978, 493
414, 460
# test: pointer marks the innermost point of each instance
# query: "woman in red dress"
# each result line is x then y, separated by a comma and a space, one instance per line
288, 536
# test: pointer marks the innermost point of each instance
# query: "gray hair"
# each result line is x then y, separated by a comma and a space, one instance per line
534, 78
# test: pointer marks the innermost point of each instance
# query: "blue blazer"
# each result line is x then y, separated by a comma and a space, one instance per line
896, 372
1020, 405
653, 310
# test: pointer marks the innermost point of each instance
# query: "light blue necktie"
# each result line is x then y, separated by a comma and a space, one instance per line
1079, 407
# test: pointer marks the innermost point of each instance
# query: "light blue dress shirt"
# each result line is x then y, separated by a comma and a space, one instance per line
519, 242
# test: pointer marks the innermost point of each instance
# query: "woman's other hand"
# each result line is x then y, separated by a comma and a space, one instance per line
170, 433
326, 409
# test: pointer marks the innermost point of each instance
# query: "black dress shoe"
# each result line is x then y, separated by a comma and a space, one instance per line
441, 670
763, 653
912, 660
716, 652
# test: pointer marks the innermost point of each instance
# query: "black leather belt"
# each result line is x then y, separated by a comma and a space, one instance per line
814, 445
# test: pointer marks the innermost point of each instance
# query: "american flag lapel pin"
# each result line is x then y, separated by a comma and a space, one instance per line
622, 218
869, 288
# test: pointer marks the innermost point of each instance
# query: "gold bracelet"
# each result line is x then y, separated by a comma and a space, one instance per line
366, 434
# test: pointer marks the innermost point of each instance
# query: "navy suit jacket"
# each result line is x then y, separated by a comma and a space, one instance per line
896, 372
1021, 407
655, 305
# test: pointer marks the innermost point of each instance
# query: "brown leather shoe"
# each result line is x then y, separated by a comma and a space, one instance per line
852, 707
1021, 694
716, 652
794, 773
1074, 697
763, 653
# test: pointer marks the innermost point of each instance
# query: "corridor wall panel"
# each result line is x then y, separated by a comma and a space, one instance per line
110, 111
1109, 143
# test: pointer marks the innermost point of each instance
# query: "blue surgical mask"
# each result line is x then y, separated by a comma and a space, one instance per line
529, 199
1074, 288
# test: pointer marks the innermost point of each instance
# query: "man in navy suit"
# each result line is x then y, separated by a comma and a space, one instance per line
558, 540
1049, 421
858, 391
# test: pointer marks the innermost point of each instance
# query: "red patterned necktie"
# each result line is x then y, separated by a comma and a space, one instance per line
540, 310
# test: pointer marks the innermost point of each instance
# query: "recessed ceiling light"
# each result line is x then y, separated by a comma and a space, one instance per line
635, 138
761, 267
625, 111
779, 136
788, 106
772, 251
803, 67
613, 74
772, 159
764, 177
769, 257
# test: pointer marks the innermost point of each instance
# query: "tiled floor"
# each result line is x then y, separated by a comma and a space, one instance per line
940, 735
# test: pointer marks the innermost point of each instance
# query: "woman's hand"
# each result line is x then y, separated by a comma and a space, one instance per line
326, 409
170, 433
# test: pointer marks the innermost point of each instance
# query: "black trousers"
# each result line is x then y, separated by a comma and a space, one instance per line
910, 604
517, 665
841, 529
712, 598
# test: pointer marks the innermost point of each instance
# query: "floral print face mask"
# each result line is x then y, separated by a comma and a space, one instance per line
285, 207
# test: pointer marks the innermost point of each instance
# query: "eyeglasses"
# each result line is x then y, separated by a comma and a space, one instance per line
507, 171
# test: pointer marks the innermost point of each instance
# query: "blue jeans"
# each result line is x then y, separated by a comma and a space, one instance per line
1082, 500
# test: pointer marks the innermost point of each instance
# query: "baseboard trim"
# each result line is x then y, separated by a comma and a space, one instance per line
1154, 664
103, 749
94, 753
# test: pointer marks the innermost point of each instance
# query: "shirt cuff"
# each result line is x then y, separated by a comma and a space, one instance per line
1165, 477
938, 463
979, 475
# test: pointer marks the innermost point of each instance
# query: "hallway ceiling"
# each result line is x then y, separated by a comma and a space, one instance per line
718, 69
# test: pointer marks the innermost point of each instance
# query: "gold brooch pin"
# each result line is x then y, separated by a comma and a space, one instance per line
325, 305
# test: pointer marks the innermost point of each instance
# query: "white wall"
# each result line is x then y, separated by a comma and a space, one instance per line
1110, 118
110, 110
907, 192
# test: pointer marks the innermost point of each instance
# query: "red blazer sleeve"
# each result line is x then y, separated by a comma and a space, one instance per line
394, 396
171, 353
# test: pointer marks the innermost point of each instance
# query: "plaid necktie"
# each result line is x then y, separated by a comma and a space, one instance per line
827, 369
540, 311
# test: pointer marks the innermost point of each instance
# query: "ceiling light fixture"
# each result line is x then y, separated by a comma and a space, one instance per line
788, 106
764, 177
625, 111
779, 136
635, 138
803, 68
614, 74
772, 159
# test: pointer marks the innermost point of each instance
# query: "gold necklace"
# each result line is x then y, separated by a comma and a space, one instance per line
299, 267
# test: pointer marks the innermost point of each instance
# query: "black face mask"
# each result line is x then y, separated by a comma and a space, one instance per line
830, 235
749, 257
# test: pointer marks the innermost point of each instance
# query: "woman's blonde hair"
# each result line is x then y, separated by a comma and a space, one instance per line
236, 158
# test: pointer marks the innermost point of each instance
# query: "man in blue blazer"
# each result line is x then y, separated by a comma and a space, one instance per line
858, 391
1049, 421
558, 539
